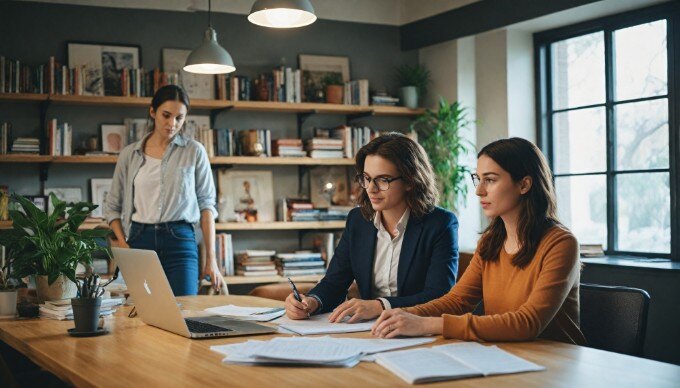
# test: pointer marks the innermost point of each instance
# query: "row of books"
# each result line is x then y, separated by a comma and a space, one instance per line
5, 137
302, 209
60, 137
345, 138
283, 84
224, 253
356, 92
140, 83
253, 262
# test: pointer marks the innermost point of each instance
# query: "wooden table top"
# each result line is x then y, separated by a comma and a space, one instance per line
135, 354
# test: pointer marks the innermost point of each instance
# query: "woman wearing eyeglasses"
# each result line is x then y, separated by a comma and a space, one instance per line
526, 268
398, 246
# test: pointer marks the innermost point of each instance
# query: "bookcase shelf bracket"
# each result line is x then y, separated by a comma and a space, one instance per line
301, 118
357, 116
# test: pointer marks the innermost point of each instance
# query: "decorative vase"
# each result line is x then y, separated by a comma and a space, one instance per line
334, 94
62, 288
8, 303
86, 314
409, 96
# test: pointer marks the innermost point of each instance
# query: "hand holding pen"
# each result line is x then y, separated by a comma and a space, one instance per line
299, 306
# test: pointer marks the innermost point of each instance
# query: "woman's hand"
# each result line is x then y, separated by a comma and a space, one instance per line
359, 310
211, 269
398, 322
300, 310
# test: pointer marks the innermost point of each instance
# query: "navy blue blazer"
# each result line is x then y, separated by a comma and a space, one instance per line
428, 262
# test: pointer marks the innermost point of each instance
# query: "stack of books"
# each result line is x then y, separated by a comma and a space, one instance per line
384, 100
255, 263
5, 136
353, 138
298, 209
288, 148
335, 213
591, 250
325, 148
26, 145
300, 263
61, 309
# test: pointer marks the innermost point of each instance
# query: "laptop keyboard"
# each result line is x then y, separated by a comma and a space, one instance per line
202, 327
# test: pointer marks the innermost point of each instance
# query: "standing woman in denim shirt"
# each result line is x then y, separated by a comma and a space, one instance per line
163, 185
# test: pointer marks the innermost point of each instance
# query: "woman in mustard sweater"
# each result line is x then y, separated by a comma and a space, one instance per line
525, 270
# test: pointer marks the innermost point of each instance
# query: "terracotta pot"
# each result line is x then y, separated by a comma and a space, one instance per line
62, 288
334, 94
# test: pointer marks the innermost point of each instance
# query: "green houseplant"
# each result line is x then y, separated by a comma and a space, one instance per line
413, 82
334, 86
440, 135
50, 247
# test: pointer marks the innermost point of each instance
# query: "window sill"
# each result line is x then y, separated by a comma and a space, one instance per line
633, 262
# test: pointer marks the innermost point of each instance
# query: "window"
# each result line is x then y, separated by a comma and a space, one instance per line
606, 108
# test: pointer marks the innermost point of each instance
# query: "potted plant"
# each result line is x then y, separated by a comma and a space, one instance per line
8, 290
86, 305
50, 247
413, 82
335, 87
440, 135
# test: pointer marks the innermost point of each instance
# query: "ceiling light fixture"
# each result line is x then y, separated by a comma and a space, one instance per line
282, 13
209, 57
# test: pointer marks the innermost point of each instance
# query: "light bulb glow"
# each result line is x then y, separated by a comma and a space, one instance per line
282, 18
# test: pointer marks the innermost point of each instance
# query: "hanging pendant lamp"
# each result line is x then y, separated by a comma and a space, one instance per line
209, 57
282, 13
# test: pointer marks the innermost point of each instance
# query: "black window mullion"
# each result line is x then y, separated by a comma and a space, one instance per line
673, 37
612, 216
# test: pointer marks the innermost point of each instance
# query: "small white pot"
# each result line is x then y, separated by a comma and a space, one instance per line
409, 96
8, 303
62, 288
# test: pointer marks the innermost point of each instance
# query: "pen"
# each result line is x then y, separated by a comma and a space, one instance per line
296, 294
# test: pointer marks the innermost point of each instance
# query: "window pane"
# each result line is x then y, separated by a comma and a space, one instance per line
642, 135
582, 207
641, 63
580, 141
578, 71
644, 212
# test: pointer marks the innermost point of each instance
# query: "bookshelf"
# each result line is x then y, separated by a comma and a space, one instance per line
235, 226
237, 280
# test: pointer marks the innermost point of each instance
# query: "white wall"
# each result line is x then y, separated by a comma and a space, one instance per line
520, 85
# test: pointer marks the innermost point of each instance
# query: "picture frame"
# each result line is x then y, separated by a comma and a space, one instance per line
101, 64
40, 201
315, 68
99, 189
201, 86
245, 196
329, 186
66, 194
114, 138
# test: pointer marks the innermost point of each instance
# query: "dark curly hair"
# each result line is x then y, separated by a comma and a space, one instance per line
538, 213
414, 166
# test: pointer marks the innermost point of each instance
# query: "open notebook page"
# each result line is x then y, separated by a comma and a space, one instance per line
424, 365
318, 324
490, 360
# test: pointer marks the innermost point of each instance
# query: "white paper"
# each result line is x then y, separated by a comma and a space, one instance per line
490, 360
424, 365
318, 324
260, 314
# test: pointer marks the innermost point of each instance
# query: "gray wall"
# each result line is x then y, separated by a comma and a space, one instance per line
662, 341
32, 32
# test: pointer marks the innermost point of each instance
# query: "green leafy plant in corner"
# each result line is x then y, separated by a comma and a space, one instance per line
332, 79
416, 75
50, 245
439, 132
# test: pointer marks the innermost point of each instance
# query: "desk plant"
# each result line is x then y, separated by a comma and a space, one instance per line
439, 132
50, 247
413, 83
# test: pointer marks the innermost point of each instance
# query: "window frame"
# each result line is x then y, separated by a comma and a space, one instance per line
544, 112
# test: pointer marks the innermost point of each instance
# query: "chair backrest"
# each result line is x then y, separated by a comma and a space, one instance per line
614, 318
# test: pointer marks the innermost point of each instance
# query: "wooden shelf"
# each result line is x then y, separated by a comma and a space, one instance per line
246, 106
279, 225
5, 224
86, 159
232, 280
19, 158
277, 161
87, 225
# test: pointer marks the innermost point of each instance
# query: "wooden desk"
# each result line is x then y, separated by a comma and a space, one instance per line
135, 354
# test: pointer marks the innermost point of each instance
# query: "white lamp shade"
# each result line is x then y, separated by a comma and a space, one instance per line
209, 57
282, 13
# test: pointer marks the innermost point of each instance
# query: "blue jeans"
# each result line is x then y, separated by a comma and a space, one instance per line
175, 244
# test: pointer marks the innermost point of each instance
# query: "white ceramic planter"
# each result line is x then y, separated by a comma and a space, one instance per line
62, 288
409, 96
8, 304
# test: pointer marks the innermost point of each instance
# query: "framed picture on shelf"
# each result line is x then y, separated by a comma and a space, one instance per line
196, 85
114, 138
245, 196
99, 188
329, 186
66, 194
317, 67
40, 201
101, 64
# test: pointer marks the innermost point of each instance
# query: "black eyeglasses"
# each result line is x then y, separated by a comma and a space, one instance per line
383, 183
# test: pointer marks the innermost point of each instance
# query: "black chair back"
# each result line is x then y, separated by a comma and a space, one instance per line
614, 318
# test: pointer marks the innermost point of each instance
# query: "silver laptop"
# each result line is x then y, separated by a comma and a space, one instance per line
156, 305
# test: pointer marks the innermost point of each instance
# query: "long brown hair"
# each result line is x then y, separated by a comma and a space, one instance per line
538, 208
414, 168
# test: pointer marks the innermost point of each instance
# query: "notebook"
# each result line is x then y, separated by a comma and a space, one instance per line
453, 361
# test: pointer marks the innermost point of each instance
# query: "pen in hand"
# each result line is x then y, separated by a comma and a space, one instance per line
296, 294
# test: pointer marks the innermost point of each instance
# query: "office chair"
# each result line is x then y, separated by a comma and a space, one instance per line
614, 318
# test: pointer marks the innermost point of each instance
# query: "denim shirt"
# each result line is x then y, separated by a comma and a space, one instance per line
187, 185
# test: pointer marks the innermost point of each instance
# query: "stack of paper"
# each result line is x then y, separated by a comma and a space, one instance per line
321, 351
453, 361
259, 314
62, 310
318, 324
